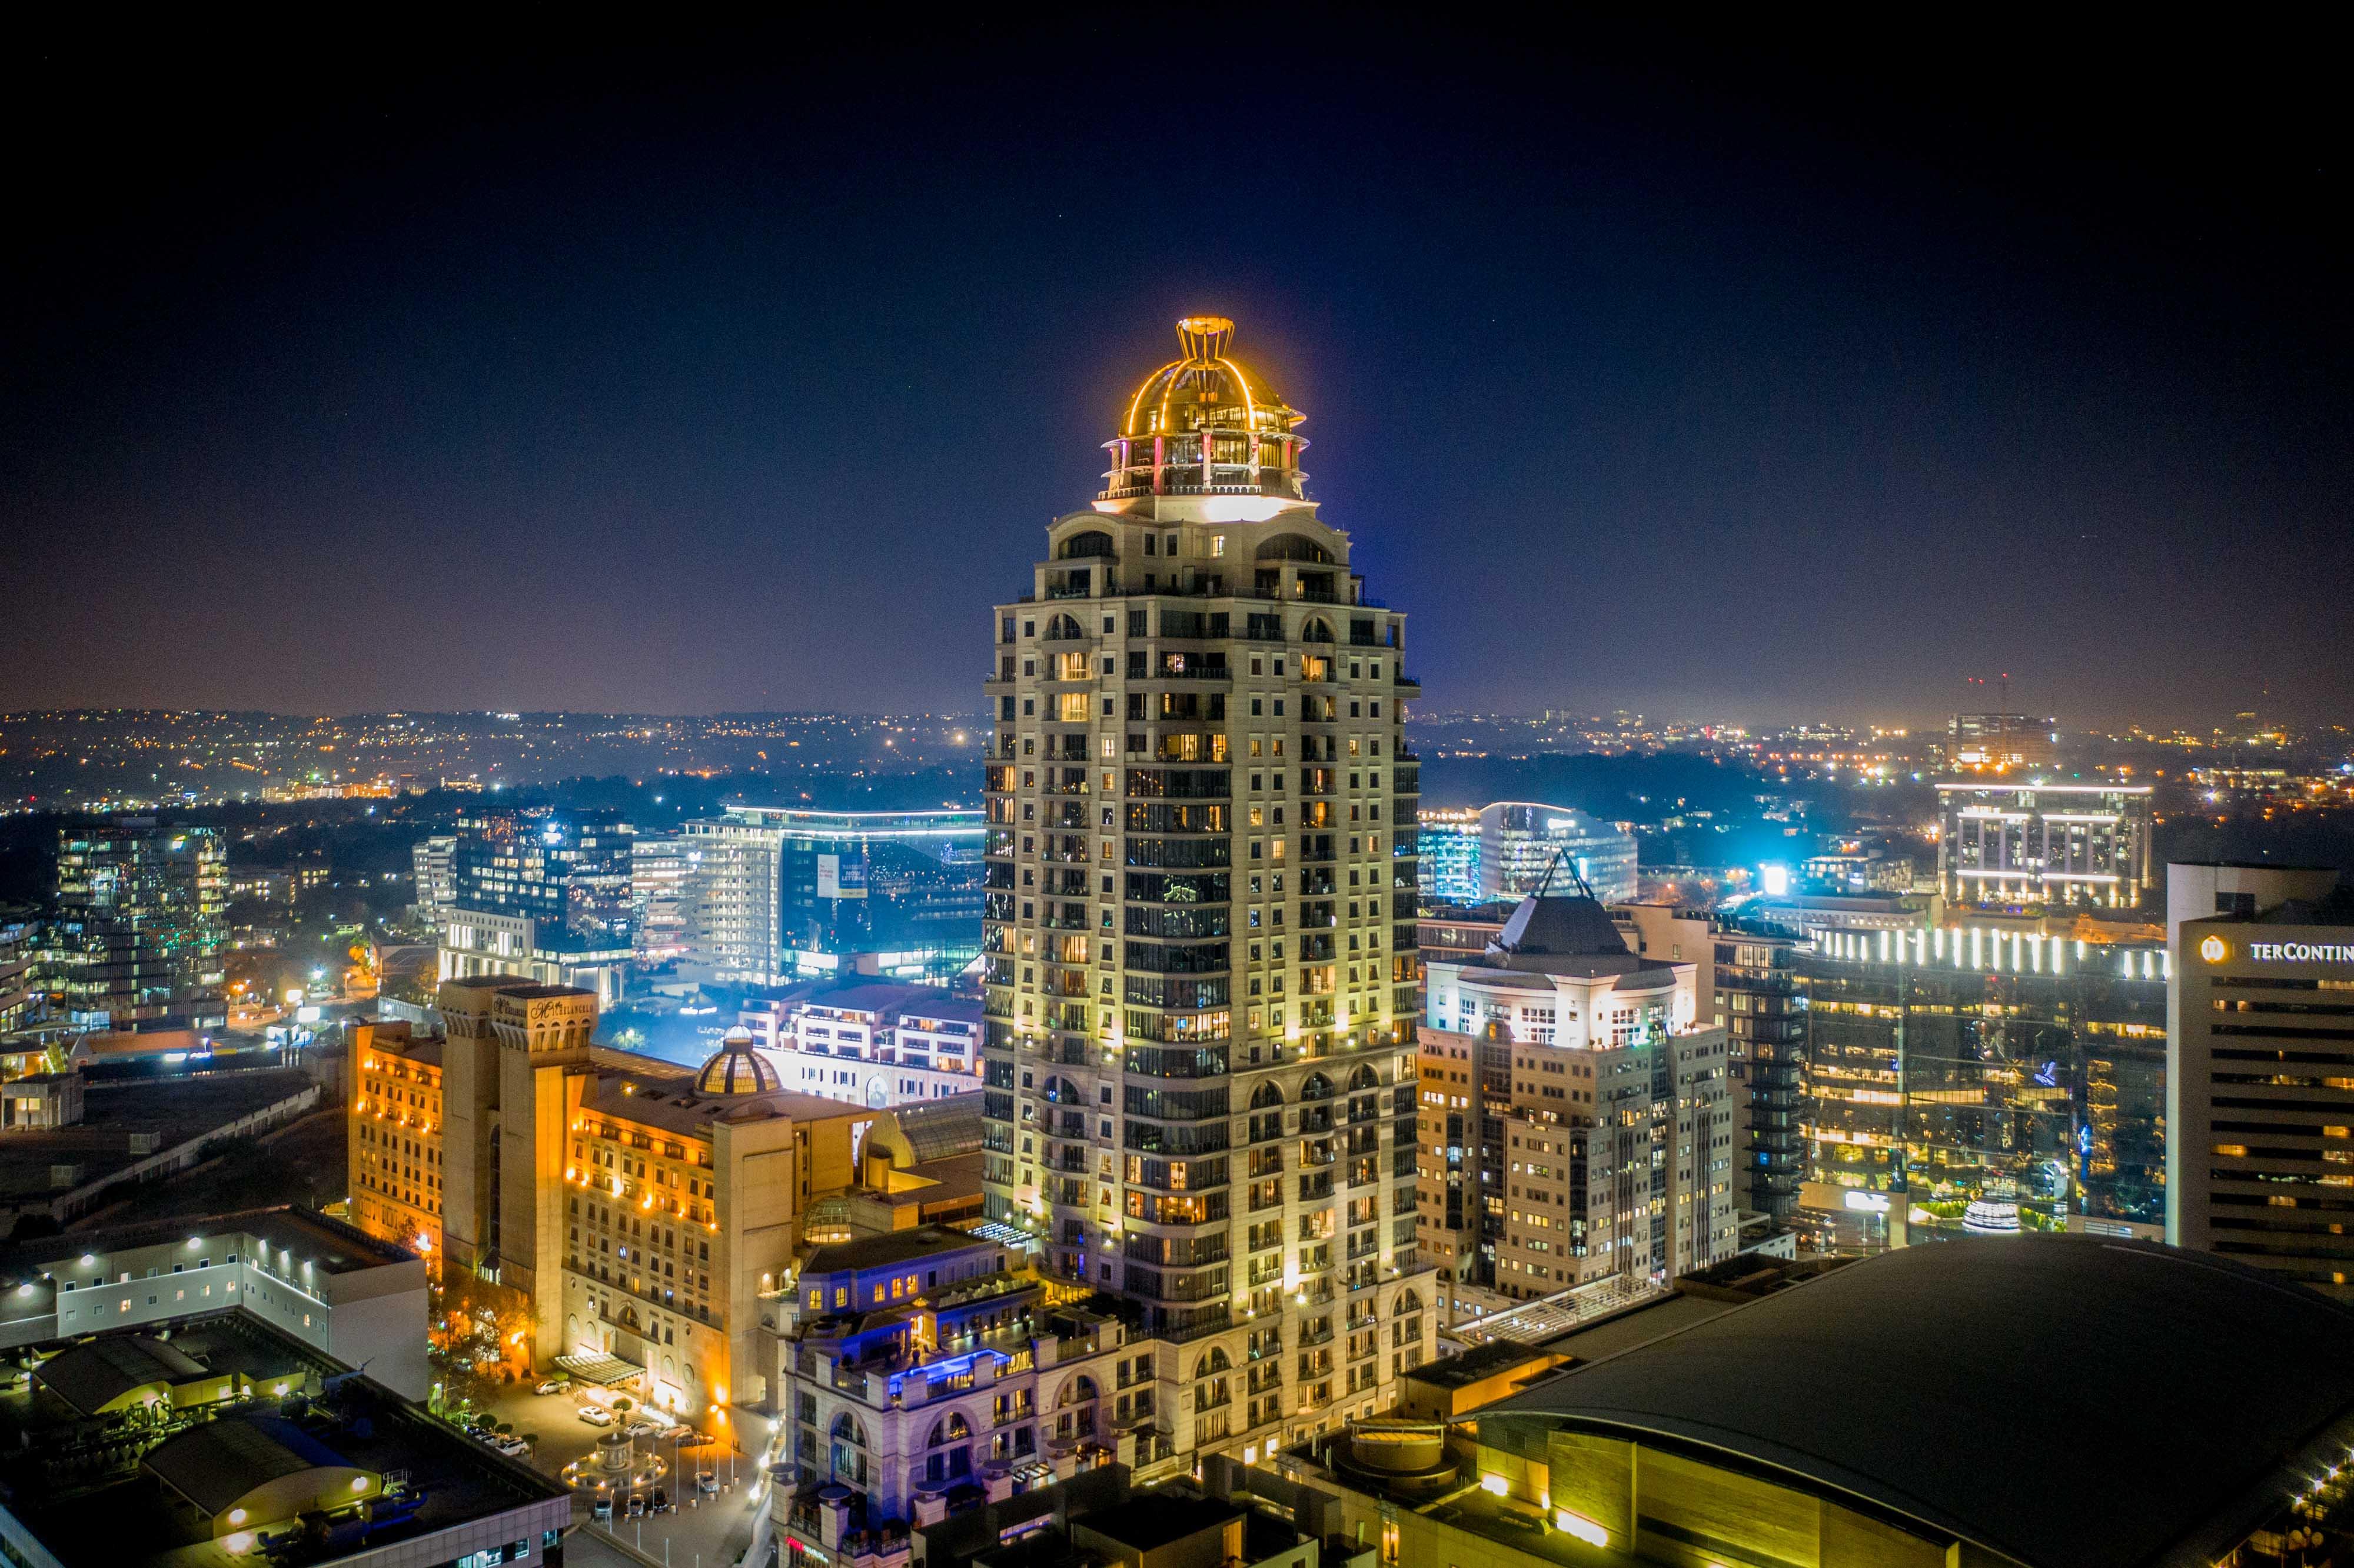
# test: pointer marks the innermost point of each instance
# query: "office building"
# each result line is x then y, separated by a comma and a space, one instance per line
23, 1003
1578, 1119
1982, 1079
2260, 1102
540, 893
1199, 935
1901, 1411
635, 1210
2032, 844
139, 933
1759, 1005
1998, 743
780, 895
1449, 850
662, 897
229, 1438
1520, 841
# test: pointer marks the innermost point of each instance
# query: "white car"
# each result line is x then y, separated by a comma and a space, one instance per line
512, 1447
596, 1415
642, 1426
552, 1386
707, 1483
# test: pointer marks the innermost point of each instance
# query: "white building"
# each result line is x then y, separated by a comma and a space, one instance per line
1520, 841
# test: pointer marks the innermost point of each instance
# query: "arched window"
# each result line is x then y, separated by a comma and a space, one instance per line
1408, 1301
1216, 1361
1317, 629
1292, 547
1317, 1088
1089, 543
847, 1429
1266, 1095
1362, 1078
955, 1429
1078, 1391
1063, 628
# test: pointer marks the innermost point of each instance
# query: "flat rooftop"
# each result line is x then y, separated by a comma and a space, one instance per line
101, 1516
171, 1109
328, 1244
889, 1248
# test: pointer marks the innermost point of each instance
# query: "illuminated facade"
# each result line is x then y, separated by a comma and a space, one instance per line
541, 895
138, 935
395, 1153
1980, 1079
2034, 843
1449, 846
1199, 939
1577, 1118
2261, 1168
636, 1213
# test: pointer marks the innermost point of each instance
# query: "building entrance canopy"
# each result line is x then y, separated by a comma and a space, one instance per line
599, 1368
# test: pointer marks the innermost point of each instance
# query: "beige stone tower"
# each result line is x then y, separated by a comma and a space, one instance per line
1199, 939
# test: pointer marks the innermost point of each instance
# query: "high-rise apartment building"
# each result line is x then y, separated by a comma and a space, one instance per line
2034, 843
139, 932
1520, 841
2260, 1160
540, 893
1764, 1015
1199, 934
1577, 1114
433, 877
778, 896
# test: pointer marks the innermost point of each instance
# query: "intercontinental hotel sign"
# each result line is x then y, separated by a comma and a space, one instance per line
2215, 949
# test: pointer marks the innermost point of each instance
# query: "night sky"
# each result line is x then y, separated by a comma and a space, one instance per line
1736, 377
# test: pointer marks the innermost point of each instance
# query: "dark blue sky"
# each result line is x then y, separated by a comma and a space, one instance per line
1726, 380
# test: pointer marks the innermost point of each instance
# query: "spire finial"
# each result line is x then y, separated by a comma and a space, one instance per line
1205, 338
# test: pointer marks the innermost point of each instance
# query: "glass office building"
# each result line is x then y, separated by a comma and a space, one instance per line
1981, 1080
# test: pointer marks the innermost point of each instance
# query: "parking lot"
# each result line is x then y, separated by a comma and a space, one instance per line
704, 1531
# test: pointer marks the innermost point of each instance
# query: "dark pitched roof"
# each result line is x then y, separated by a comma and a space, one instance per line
1574, 926
92, 1376
2202, 1392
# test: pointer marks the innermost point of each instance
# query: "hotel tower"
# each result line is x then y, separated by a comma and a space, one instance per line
1200, 923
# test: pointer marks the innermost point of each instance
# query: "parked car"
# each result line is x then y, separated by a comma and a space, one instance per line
552, 1386
637, 1506
512, 1447
596, 1415
640, 1427
602, 1510
708, 1482
661, 1503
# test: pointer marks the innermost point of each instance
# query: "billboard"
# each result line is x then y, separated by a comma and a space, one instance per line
841, 876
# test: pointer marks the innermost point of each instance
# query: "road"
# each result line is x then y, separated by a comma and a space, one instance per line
706, 1532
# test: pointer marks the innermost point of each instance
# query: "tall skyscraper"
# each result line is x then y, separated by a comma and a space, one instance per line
139, 933
1199, 932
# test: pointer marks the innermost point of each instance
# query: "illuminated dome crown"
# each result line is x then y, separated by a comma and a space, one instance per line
1205, 400
736, 1068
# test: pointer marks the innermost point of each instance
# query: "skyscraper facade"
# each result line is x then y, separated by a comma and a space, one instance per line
540, 893
1199, 931
2032, 844
1520, 843
139, 932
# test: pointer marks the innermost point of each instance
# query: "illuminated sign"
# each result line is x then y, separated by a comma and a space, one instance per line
2214, 949
2296, 952
1775, 880
1867, 1202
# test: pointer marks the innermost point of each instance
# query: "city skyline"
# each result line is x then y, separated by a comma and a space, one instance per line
596, 376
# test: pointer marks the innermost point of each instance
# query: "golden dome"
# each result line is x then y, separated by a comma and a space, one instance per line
736, 1068
1205, 387
1205, 424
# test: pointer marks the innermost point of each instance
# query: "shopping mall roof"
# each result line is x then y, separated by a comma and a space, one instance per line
1956, 1384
